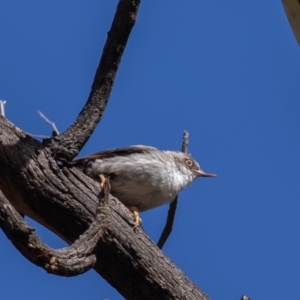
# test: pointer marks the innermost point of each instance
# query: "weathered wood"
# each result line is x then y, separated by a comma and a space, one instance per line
68, 144
38, 181
64, 200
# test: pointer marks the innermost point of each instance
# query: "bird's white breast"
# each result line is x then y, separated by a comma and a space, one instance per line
142, 181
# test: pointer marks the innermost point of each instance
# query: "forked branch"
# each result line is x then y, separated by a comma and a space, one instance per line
60, 197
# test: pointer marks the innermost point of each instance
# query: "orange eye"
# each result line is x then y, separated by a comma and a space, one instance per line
189, 163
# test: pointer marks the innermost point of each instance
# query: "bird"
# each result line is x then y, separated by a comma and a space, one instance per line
142, 177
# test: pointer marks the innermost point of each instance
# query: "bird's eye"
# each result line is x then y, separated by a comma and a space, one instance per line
189, 162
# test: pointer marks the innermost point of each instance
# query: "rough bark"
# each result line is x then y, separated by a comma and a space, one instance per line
68, 261
68, 144
64, 200
38, 181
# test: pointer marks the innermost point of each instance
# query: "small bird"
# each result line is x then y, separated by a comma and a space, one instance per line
143, 177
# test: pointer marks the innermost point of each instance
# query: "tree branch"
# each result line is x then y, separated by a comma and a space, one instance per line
65, 201
67, 145
173, 205
52, 124
2, 110
69, 261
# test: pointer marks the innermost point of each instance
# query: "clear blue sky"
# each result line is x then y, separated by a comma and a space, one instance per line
228, 72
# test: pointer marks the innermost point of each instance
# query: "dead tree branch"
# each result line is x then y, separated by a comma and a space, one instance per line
173, 205
68, 144
65, 201
52, 124
69, 261
2, 110
39, 183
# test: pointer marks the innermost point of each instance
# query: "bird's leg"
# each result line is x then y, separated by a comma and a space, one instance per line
136, 218
103, 208
102, 180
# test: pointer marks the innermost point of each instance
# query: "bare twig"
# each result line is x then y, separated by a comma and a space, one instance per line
52, 124
39, 136
2, 110
185, 142
169, 223
173, 205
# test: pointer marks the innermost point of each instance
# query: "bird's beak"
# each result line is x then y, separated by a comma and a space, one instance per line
200, 173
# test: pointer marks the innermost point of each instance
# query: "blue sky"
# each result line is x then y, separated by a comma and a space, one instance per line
228, 72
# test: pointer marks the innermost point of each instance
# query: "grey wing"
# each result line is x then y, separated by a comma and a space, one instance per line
116, 152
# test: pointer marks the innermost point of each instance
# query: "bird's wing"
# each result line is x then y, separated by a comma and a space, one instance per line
115, 152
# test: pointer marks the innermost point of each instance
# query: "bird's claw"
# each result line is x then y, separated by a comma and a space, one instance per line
136, 218
102, 180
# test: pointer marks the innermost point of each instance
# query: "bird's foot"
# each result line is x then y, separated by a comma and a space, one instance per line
103, 207
136, 218
102, 180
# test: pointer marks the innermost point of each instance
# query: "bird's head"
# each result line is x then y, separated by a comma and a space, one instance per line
190, 166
